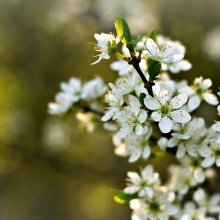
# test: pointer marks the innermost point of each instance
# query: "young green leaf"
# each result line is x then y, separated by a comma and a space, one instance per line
141, 98
123, 196
123, 30
135, 41
154, 69
152, 35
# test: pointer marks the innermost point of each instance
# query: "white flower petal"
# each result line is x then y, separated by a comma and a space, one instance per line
186, 90
210, 98
177, 58
185, 65
151, 103
208, 161
206, 83
191, 149
162, 143
135, 104
149, 192
147, 171
123, 115
199, 175
135, 178
180, 116
214, 209
108, 114
139, 130
142, 116
146, 152
218, 162
156, 116
173, 142
193, 102
123, 132
145, 129
131, 189
135, 155
205, 151
171, 209
180, 151
178, 101
215, 199
165, 125
186, 217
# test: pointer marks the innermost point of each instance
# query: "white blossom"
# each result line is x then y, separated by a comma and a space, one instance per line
168, 53
182, 65
158, 207
114, 100
143, 185
128, 83
102, 45
132, 118
121, 66
162, 143
211, 44
194, 164
195, 213
165, 111
73, 89
174, 67
181, 179
216, 126
186, 217
199, 91
186, 136
211, 154
133, 145
211, 204
87, 120
140, 46
62, 104
93, 89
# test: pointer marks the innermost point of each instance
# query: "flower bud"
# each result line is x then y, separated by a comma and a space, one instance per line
140, 46
162, 143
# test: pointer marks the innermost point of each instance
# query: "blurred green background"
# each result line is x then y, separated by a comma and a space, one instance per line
49, 168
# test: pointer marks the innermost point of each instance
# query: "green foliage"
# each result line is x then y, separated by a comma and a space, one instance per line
124, 34
123, 196
152, 35
141, 98
154, 69
134, 42
123, 30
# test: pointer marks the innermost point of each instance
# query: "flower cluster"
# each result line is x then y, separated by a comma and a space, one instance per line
73, 92
151, 116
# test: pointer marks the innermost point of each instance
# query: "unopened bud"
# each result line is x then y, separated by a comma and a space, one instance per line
162, 143
140, 46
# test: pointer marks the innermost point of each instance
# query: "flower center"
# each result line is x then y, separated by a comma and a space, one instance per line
217, 153
154, 207
195, 163
199, 91
165, 110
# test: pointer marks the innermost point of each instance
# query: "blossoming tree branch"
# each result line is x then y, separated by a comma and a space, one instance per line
145, 109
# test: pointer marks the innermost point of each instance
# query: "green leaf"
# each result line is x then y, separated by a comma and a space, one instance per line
141, 98
123, 196
134, 42
123, 30
154, 69
130, 46
152, 35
